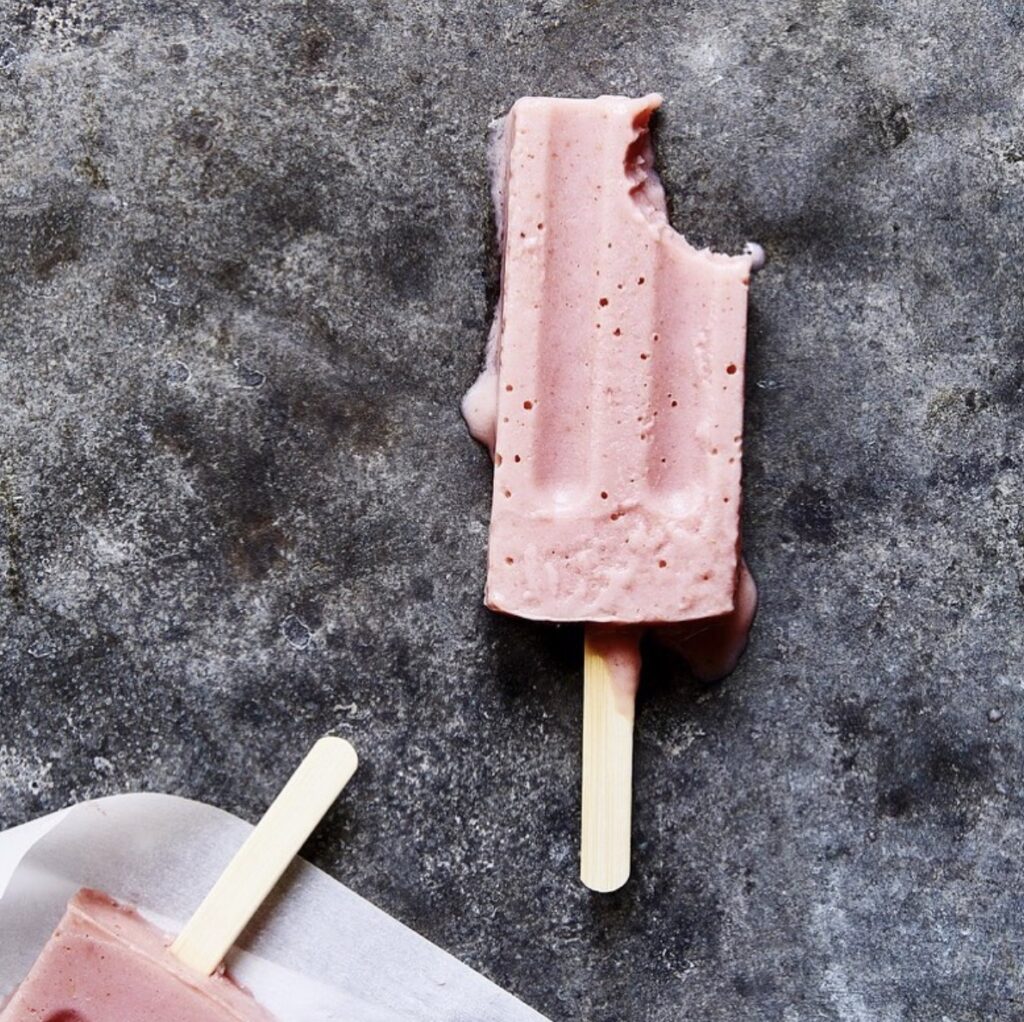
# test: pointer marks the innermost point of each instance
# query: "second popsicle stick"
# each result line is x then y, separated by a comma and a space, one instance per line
611, 671
265, 855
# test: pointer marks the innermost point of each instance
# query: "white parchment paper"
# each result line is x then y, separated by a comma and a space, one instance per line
316, 953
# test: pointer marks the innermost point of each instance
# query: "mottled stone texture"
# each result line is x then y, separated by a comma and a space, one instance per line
246, 270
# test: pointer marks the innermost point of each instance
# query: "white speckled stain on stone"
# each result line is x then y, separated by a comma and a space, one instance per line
21, 772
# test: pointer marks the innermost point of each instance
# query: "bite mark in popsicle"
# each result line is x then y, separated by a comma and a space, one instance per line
612, 403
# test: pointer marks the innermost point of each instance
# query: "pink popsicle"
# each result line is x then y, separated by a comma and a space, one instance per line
619, 394
612, 402
104, 963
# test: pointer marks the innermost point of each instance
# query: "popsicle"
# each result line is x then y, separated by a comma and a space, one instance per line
612, 403
104, 963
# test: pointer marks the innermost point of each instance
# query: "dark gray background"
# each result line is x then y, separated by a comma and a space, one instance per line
246, 271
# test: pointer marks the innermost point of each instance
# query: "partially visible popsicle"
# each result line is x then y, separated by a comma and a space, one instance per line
104, 963
612, 402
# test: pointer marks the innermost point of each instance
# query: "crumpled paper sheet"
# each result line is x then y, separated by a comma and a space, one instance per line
315, 953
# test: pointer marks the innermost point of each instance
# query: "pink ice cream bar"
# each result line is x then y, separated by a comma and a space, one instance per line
104, 963
616, 382
612, 402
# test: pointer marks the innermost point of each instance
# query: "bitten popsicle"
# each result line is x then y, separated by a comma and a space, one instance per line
105, 963
612, 402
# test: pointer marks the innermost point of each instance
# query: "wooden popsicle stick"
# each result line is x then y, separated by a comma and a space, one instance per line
611, 670
265, 855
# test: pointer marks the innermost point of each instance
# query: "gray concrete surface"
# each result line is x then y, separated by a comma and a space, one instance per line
245, 274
